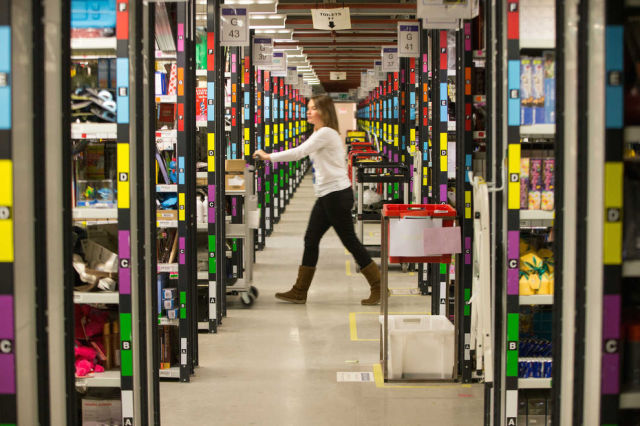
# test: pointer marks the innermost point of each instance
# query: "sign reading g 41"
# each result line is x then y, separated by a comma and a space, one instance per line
234, 26
408, 39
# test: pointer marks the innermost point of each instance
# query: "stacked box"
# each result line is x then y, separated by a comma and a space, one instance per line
170, 302
526, 95
537, 90
535, 183
548, 183
549, 87
524, 183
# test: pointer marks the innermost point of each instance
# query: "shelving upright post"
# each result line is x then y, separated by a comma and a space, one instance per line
260, 166
186, 174
8, 289
275, 142
439, 150
215, 167
268, 148
464, 191
125, 279
425, 143
511, 345
612, 232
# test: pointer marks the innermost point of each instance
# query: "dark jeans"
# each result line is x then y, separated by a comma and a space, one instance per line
333, 209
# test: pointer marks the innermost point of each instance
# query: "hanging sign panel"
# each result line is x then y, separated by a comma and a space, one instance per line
408, 39
278, 64
262, 52
234, 26
331, 19
390, 61
445, 14
380, 75
337, 75
292, 75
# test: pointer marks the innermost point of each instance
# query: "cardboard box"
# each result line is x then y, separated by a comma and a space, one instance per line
101, 411
167, 214
234, 182
234, 166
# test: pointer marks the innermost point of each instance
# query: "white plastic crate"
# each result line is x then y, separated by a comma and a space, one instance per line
420, 347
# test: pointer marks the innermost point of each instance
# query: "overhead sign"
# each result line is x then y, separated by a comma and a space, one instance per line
278, 64
331, 19
445, 14
234, 26
292, 75
390, 62
262, 52
377, 65
337, 75
408, 39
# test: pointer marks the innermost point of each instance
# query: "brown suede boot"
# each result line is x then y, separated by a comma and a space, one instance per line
298, 294
372, 274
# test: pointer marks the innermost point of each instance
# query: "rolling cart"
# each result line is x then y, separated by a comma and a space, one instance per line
380, 173
419, 347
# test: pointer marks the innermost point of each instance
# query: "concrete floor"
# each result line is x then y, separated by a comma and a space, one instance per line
278, 363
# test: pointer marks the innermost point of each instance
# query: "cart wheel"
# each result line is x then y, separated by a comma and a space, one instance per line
405, 267
254, 291
247, 299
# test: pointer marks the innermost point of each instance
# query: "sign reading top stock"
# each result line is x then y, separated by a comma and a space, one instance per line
234, 26
408, 39
390, 61
331, 19
262, 52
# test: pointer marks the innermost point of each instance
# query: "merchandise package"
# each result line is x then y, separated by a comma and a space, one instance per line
548, 183
173, 80
524, 183
549, 88
535, 183
537, 90
526, 95
201, 104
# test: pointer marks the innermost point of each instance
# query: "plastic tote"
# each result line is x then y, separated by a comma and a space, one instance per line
423, 233
420, 347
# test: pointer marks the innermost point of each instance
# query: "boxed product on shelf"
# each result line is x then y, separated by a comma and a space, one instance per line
234, 182
234, 166
549, 87
548, 183
97, 412
201, 104
537, 90
93, 13
524, 183
95, 193
168, 340
535, 183
169, 293
161, 83
526, 89
173, 313
167, 214
169, 304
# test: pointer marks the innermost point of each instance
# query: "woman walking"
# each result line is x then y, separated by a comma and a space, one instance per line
334, 199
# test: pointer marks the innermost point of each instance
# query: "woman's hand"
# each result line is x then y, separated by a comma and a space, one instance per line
261, 155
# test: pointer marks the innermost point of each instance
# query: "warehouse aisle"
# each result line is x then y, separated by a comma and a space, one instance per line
277, 363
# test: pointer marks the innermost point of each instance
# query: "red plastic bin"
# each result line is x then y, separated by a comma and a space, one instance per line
444, 211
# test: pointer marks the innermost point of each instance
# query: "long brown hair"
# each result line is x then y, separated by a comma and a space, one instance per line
327, 109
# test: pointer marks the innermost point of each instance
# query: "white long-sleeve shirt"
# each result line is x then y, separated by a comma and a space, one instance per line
328, 155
